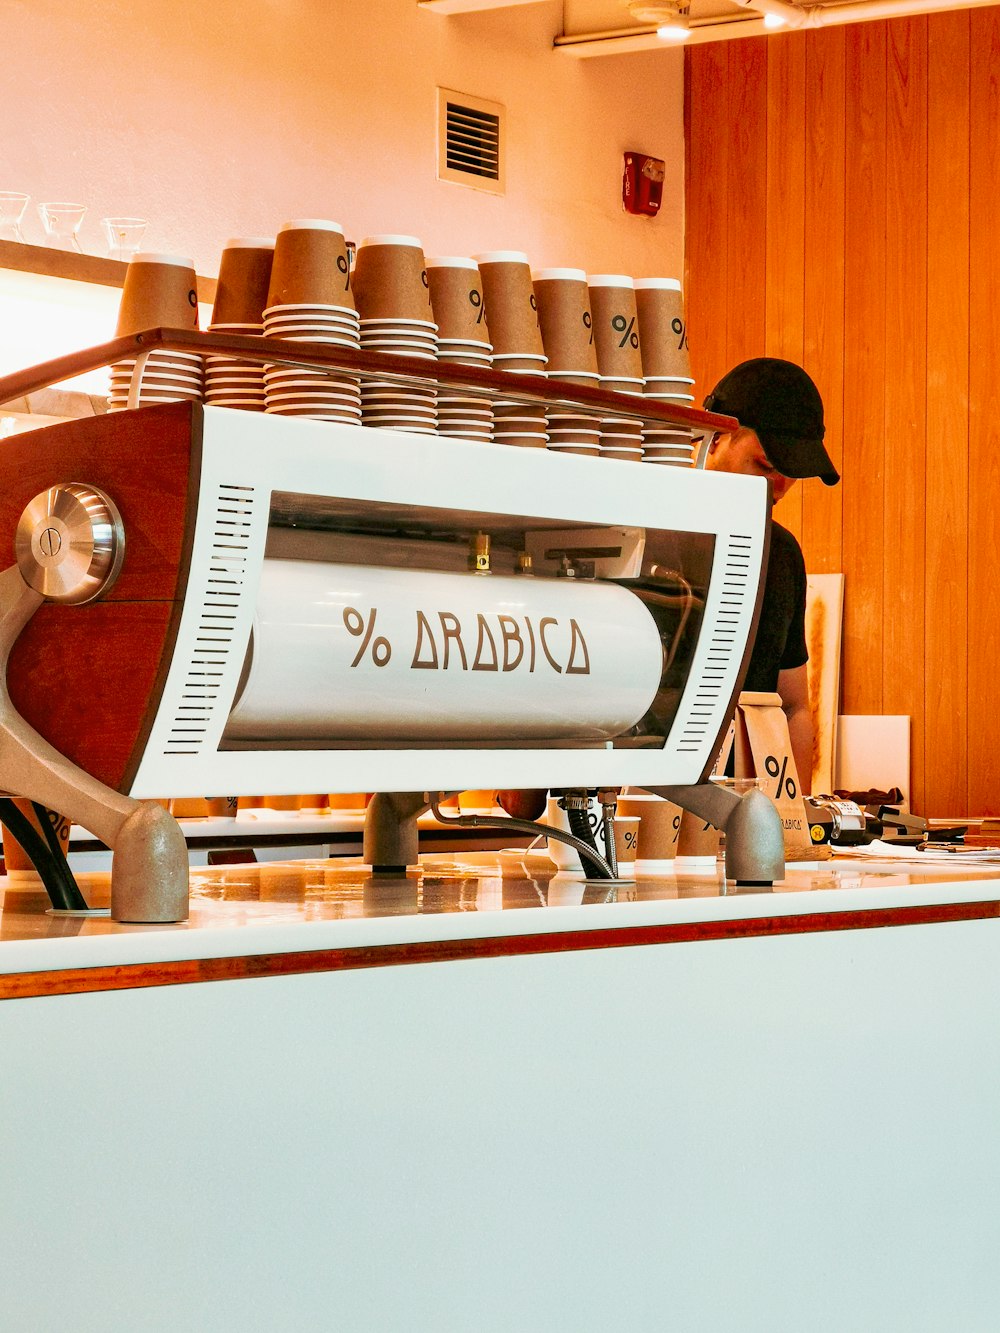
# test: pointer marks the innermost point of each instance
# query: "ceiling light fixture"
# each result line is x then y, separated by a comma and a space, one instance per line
669, 17
774, 21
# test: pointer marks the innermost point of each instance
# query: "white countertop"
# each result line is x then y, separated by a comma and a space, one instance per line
296, 906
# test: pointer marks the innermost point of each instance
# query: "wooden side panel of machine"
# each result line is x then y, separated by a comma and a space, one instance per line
88, 678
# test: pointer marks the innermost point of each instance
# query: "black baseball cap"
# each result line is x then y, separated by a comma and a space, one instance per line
778, 401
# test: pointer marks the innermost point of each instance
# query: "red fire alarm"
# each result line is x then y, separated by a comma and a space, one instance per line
642, 184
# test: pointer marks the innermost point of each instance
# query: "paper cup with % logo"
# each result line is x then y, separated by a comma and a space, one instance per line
626, 831
659, 828
616, 332
662, 328
563, 300
457, 299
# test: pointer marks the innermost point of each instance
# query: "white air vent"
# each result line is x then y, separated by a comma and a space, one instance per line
470, 141
704, 715
216, 623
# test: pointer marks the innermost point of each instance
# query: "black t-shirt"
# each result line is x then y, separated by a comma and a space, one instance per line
781, 634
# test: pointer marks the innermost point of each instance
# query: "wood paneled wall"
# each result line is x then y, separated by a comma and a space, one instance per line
842, 194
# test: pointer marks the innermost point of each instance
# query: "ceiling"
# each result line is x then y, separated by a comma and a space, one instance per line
593, 28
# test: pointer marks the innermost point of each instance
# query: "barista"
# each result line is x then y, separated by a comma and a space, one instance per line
780, 437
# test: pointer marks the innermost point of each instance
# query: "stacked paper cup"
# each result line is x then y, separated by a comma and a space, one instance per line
512, 319
392, 292
619, 359
666, 366
309, 300
160, 291
567, 326
464, 340
240, 298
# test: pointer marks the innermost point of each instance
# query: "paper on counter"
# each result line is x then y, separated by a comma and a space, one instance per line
887, 851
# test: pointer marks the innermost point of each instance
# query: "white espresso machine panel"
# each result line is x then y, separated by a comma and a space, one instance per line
370, 610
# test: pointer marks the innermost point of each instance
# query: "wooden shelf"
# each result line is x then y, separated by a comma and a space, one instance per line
23, 258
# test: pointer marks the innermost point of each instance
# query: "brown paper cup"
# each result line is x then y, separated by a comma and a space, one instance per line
160, 291
696, 840
189, 807
659, 826
310, 265
626, 831
390, 279
222, 807
313, 804
350, 800
244, 280
510, 304
281, 802
16, 860
476, 800
457, 299
565, 320
616, 326
520, 365
662, 327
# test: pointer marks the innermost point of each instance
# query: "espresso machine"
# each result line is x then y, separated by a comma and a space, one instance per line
197, 600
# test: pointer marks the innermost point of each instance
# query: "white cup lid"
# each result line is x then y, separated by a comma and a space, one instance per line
663, 284
249, 243
558, 275
148, 257
311, 224
392, 240
452, 261
501, 257
609, 280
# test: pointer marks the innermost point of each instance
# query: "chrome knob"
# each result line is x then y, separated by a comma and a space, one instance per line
70, 543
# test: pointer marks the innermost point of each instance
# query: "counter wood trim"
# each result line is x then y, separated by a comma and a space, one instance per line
135, 976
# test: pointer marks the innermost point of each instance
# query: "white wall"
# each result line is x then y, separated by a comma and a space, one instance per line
223, 117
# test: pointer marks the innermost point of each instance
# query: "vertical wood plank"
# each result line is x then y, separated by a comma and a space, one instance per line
905, 382
984, 414
747, 199
947, 703
900, 328
822, 533
784, 232
864, 368
706, 104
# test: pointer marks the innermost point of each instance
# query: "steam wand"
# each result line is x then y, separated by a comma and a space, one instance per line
586, 851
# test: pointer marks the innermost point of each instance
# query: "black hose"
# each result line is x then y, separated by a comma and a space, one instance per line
52, 866
579, 826
586, 850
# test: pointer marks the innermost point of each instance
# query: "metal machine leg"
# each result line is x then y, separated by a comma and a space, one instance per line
149, 877
755, 843
391, 841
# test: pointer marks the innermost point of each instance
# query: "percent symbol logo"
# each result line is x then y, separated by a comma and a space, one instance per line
476, 300
786, 784
381, 648
626, 327
678, 327
588, 323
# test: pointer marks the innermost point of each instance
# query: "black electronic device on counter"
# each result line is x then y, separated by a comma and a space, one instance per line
843, 823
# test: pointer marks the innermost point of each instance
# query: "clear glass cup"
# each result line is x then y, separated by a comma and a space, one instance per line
124, 236
62, 222
12, 206
739, 787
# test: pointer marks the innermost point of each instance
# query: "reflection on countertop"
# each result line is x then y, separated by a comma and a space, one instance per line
343, 889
